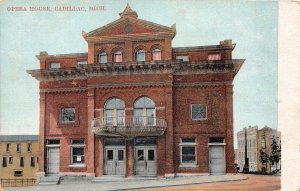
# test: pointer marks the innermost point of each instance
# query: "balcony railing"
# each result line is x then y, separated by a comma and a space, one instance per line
129, 127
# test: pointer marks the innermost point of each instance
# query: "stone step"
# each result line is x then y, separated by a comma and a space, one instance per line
49, 180
122, 179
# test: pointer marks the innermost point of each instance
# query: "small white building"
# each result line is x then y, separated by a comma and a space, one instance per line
251, 134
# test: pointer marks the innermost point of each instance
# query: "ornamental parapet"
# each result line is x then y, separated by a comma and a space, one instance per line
129, 127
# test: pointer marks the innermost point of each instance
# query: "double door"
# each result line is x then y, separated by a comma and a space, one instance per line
114, 160
145, 160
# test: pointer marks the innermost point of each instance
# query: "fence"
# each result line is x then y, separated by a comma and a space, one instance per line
17, 182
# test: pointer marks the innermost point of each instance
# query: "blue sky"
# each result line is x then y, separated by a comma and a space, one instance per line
252, 25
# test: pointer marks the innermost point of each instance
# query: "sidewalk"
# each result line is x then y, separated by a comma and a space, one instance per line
78, 184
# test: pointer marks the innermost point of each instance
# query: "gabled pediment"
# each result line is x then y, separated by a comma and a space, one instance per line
130, 25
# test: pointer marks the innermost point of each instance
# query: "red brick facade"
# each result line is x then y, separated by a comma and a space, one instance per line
173, 85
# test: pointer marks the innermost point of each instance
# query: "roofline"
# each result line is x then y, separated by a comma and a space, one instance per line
70, 55
203, 48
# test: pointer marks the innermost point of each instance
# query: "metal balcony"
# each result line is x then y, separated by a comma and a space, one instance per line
129, 127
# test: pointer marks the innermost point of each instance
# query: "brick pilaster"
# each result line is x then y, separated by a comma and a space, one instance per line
229, 130
91, 139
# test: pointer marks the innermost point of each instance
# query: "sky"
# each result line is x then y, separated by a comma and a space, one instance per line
252, 25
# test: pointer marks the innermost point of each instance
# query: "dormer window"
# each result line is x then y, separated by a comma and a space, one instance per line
102, 58
55, 65
214, 56
156, 54
118, 56
140, 55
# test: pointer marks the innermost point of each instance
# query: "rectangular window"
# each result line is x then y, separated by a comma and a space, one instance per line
18, 173
216, 56
68, 115
18, 147
7, 147
55, 65
77, 152
32, 162
21, 161
4, 162
188, 156
183, 58
82, 62
198, 111
29, 147
53, 142
10, 160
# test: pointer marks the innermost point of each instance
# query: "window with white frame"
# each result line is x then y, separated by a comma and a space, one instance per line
118, 56
114, 112
156, 54
144, 112
55, 65
199, 111
140, 55
102, 58
67, 115
214, 56
82, 62
18, 147
183, 58
188, 154
77, 152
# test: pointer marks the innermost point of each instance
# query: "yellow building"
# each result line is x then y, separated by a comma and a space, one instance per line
264, 141
19, 156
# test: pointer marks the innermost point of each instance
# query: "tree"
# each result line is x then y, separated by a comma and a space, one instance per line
263, 157
275, 154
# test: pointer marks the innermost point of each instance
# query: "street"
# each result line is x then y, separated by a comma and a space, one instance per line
253, 183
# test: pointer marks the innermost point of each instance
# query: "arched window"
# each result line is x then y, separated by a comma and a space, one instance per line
114, 112
144, 112
140, 55
118, 56
102, 58
156, 54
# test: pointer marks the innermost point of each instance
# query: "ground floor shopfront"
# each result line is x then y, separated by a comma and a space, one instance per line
139, 156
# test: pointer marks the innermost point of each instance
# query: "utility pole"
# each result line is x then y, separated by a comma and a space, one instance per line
246, 165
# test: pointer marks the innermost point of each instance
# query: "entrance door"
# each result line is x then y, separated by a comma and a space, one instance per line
145, 160
53, 160
217, 159
114, 160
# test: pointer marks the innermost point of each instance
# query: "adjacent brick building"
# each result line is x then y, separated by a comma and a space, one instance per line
134, 105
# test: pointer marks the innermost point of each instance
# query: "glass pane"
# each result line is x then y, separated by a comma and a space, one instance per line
110, 154
140, 55
148, 103
150, 117
188, 140
68, 114
199, 111
78, 151
188, 154
188, 150
114, 141
109, 117
121, 115
140, 154
151, 155
156, 55
138, 117
120, 154
144, 102
102, 58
